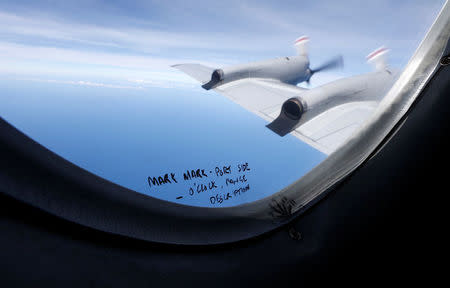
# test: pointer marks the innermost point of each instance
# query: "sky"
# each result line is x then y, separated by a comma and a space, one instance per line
91, 80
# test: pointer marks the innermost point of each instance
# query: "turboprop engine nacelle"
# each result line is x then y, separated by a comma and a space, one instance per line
290, 116
370, 87
291, 70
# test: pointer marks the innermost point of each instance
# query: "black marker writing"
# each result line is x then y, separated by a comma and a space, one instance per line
220, 198
240, 179
202, 187
199, 173
220, 184
222, 171
243, 167
161, 180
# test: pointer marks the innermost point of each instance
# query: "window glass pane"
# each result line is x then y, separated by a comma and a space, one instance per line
93, 82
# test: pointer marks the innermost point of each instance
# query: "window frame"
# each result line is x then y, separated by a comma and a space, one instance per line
82, 197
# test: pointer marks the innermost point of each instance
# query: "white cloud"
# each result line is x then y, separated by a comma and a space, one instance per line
35, 57
50, 62
36, 44
82, 83
133, 39
62, 55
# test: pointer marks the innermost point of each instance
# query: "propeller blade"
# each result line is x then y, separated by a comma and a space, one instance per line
336, 62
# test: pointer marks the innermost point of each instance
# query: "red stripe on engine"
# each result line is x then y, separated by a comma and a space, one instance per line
301, 39
375, 53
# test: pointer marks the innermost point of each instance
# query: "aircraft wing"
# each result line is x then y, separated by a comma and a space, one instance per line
199, 72
325, 132
329, 130
264, 97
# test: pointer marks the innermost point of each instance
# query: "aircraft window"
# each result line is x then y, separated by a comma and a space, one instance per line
151, 97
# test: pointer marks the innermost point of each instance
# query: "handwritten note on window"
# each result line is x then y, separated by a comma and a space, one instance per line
220, 183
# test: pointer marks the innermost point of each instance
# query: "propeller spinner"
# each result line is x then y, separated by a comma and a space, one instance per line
336, 62
301, 45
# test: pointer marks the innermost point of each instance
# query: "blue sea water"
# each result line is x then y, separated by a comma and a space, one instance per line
133, 137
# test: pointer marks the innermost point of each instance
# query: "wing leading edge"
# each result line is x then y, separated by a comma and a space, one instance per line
199, 72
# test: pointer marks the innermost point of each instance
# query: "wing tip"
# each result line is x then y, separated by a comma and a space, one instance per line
301, 39
376, 53
301, 45
183, 64
177, 65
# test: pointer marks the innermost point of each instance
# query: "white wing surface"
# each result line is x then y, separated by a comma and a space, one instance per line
329, 130
264, 97
199, 72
